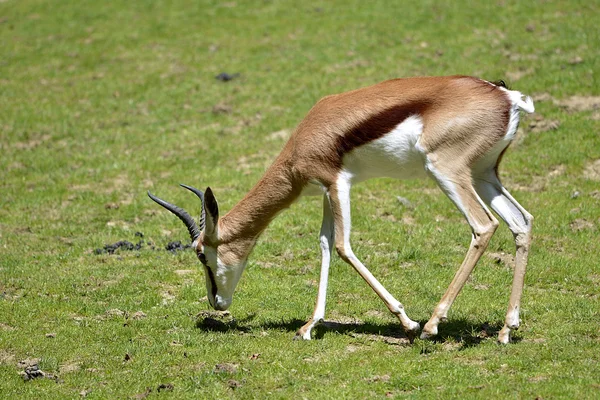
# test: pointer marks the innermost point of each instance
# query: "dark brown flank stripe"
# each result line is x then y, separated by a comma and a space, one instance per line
377, 126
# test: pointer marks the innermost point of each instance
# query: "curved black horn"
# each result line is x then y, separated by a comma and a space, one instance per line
200, 195
181, 214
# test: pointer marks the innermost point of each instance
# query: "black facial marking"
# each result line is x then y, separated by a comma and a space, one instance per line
213, 284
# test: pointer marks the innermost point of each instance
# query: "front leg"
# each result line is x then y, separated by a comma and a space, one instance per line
326, 238
340, 201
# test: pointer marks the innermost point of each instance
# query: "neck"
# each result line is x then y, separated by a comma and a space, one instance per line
275, 191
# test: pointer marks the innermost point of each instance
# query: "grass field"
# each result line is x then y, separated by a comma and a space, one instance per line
102, 101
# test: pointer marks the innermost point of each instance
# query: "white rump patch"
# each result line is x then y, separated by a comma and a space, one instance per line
518, 103
394, 155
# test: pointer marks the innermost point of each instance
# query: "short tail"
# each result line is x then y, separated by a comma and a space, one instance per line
525, 103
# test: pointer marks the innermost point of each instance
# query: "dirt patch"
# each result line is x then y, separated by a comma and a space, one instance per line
481, 286
538, 183
538, 378
542, 97
233, 384
580, 103
507, 260
283, 134
4, 327
353, 348
340, 319
539, 124
246, 164
6, 357
378, 378
138, 315
216, 321
581, 224
397, 341
142, 395
183, 272
33, 142
222, 108
69, 367
115, 312
167, 295
516, 75
377, 314
227, 368
592, 170
557, 171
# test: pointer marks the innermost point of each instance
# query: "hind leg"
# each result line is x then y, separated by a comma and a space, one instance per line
458, 187
519, 222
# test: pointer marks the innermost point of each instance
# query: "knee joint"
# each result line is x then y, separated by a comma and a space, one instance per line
486, 231
341, 250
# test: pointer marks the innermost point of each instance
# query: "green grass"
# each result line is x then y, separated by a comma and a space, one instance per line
101, 101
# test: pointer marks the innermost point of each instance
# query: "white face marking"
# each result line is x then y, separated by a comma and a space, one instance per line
224, 279
394, 155
227, 277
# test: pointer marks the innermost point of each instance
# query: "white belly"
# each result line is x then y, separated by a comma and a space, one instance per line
395, 155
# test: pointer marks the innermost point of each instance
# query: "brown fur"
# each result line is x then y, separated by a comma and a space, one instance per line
454, 109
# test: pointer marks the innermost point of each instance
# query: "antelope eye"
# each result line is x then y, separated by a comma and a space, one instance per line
202, 258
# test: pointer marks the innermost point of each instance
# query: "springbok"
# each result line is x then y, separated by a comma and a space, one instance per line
453, 129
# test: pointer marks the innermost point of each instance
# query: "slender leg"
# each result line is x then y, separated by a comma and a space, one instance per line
483, 225
519, 222
340, 202
326, 238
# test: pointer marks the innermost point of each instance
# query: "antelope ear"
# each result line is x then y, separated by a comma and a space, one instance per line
212, 214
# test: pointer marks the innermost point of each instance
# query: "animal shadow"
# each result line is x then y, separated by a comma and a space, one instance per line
463, 332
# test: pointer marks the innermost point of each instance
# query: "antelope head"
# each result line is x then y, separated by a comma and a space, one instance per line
222, 267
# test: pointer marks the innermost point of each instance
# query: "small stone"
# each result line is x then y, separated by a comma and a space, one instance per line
165, 387
225, 77
404, 201
226, 368
233, 384
576, 60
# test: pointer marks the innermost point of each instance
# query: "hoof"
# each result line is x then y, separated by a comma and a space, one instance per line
302, 336
414, 327
412, 332
427, 336
429, 333
504, 335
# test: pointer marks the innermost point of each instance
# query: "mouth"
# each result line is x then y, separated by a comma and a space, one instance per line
221, 304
